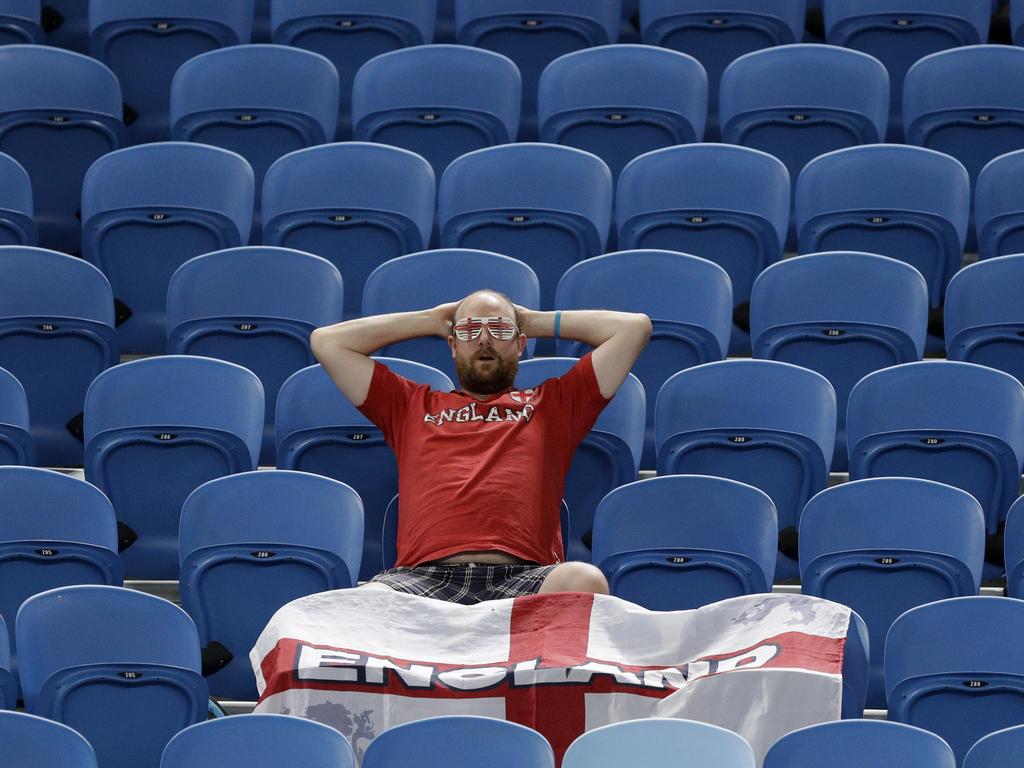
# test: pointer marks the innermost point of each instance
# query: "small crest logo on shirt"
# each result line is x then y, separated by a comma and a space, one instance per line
522, 396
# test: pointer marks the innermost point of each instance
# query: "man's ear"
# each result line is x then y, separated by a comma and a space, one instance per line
521, 343
451, 345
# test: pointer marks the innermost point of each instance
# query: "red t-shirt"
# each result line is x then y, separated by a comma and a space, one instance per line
483, 475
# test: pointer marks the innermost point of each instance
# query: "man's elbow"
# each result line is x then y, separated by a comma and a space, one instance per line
643, 326
316, 343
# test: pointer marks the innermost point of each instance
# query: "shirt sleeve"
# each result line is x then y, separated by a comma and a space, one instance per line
581, 398
387, 401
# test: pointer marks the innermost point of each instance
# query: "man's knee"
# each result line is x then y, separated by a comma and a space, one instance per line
575, 577
375, 585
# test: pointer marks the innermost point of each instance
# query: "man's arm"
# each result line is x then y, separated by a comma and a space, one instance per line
344, 349
618, 338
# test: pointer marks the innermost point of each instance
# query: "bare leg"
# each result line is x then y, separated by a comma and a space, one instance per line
575, 577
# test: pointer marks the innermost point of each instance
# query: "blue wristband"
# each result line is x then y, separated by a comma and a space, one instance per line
558, 321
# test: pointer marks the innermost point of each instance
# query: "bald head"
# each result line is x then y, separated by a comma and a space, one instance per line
486, 303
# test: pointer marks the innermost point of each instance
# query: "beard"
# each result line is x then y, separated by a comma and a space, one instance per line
500, 377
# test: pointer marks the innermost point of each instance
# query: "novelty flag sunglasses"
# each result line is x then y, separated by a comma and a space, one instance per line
500, 328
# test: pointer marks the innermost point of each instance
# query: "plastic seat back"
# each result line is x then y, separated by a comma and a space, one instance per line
983, 317
254, 306
157, 428
1014, 549
320, 431
16, 443
534, 34
955, 423
60, 112
682, 541
261, 101
655, 739
426, 743
998, 211
620, 101
886, 545
768, 424
850, 200
953, 103
843, 315
545, 205
852, 743
609, 455
954, 668
117, 651
23, 734
144, 215
688, 299
430, 278
8, 683
17, 226
349, 33
145, 41
998, 748
55, 531
727, 204
898, 33
355, 204
20, 22
249, 544
717, 32
439, 101
56, 335
800, 101
258, 741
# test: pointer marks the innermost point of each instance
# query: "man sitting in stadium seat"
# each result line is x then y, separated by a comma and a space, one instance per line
481, 470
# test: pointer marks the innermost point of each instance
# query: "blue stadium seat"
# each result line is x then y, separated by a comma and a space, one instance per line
55, 530
255, 306
771, 425
145, 41
717, 32
955, 423
429, 278
998, 210
155, 429
320, 431
546, 205
620, 101
655, 740
56, 335
8, 683
16, 444
533, 34
801, 101
984, 316
958, 102
688, 299
250, 543
439, 101
682, 541
59, 112
389, 533
350, 33
258, 741
261, 101
727, 204
886, 545
355, 204
20, 22
123, 670
1014, 549
480, 741
956, 668
997, 749
843, 315
16, 224
899, 32
609, 455
850, 200
35, 742
66, 24
855, 743
146, 211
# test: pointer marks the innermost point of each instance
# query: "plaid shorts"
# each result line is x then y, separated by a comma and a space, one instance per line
466, 583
